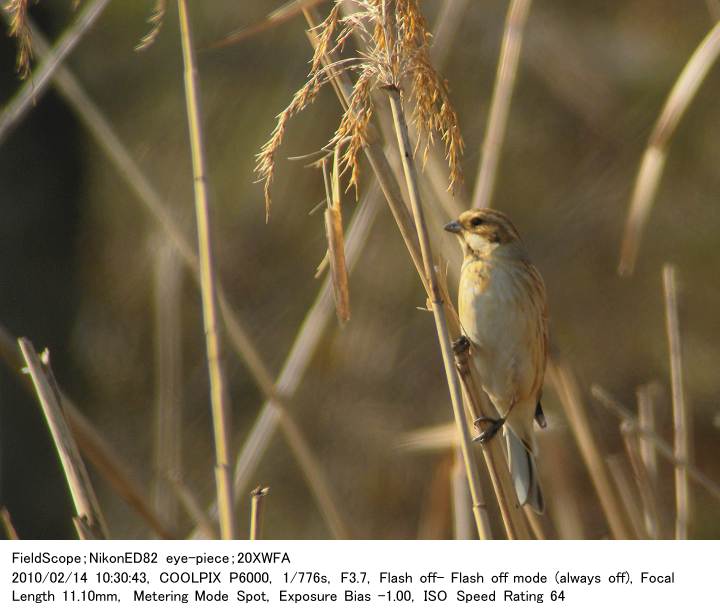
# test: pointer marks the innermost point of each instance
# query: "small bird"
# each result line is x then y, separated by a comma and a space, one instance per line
503, 312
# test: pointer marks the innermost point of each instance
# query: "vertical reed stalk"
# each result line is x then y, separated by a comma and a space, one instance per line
642, 479
257, 502
411, 179
646, 419
218, 394
680, 415
500, 106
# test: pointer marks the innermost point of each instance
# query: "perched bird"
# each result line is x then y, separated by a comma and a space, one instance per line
503, 312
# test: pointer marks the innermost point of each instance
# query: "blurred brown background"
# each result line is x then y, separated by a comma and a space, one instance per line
79, 255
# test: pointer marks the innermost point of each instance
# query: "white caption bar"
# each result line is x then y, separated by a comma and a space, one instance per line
387, 577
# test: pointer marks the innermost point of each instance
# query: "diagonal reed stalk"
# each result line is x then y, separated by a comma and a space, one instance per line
118, 154
500, 105
218, 393
564, 383
618, 471
168, 282
680, 414
651, 168
89, 520
257, 506
662, 447
651, 521
7, 524
93, 445
31, 90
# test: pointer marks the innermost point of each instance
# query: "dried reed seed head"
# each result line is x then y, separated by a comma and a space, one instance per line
395, 49
156, 19
20, 30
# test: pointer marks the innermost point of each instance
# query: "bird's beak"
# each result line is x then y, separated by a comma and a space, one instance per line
453, 227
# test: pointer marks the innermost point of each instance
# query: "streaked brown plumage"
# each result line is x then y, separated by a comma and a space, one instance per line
503, 312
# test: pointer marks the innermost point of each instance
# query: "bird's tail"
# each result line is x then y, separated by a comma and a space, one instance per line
524, 472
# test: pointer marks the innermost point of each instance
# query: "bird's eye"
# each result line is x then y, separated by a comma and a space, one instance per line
476, 222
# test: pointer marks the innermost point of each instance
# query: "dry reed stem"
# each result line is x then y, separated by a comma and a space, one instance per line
623, 484
33, 88
279, 16
642, 479
218, 393
500, 105
336, 244
535, 522
646, 419
257, 502
564, 384
478, 405
663, 448
118, 154
436, 301
681, 439
83, 495
461, 501
444, 30
7, 524
92, 444
651, 168
197, 514
168, 278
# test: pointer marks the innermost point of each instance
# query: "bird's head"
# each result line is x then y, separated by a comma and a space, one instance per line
482, 232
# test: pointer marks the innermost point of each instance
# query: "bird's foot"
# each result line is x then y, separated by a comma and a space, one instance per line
460, 345
486, 435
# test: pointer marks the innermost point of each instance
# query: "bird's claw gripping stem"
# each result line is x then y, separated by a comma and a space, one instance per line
486, 435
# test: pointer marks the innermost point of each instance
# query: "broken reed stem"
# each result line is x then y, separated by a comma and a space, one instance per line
500, 106
7, 524
218, 393
441, 325
680, 416
564, 384
257, 502
93, 445
35, 85
90, 521
478, 405
663, 448
649, 175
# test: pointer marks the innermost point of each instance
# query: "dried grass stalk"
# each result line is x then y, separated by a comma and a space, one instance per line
218, 393
31, 90
646, 417
88, 512
564, 384
7, 524
651, 518
649, 175
680, 414
257, 502
500, 106
279, 16
168, 361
